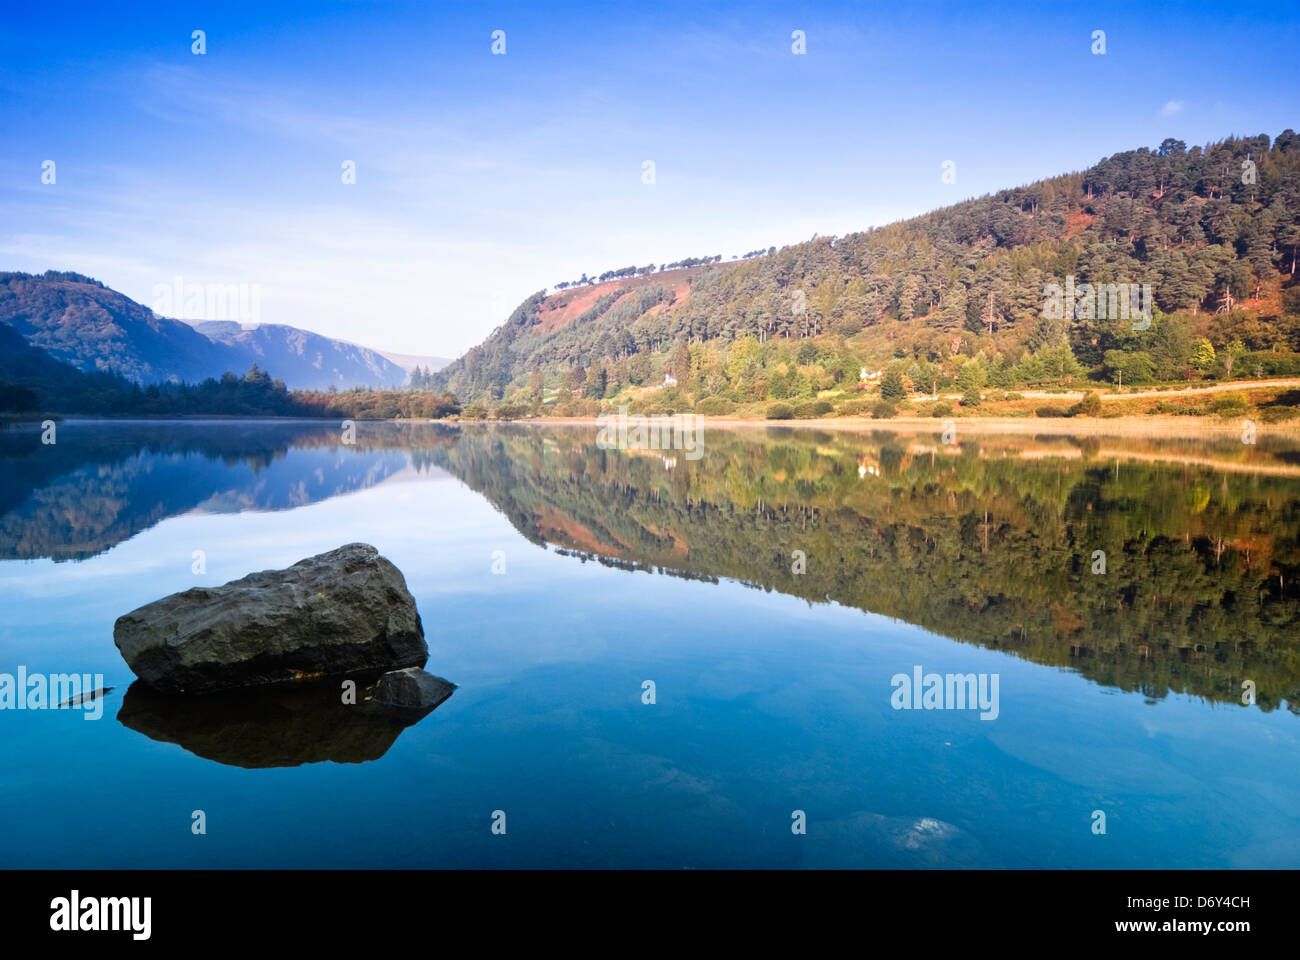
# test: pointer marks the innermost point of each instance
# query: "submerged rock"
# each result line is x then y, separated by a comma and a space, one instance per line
90, 696
411, 688
340, 612
867, 840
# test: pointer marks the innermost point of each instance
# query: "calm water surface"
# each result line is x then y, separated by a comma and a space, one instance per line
1119, 692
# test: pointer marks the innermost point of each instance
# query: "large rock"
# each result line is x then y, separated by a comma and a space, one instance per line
340, 612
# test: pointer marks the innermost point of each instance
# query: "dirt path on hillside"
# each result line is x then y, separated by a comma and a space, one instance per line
1136, 394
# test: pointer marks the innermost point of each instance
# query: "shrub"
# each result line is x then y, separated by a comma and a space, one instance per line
941, 409
509, 411
1229, 405
1089, 406
811, 409
715, 406
1279, 414
475, 411
1051, 412
780, 411
854, 408
649, 406
883, 410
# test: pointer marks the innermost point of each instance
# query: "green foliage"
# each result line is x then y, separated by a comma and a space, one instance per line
780, 411
971, 379
1202, 357
1256, 364
1134, 369
1051, 364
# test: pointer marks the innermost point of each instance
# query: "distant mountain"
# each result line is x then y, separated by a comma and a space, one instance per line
81, 322
305, 360
85, 324
409, 361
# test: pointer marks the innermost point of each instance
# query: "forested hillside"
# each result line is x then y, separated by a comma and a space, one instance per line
1214, 231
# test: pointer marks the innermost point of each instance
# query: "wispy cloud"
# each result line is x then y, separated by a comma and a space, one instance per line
481, 179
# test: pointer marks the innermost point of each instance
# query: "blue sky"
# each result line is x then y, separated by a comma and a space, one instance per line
483, 178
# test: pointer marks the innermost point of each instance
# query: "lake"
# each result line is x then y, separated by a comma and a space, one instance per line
672, 662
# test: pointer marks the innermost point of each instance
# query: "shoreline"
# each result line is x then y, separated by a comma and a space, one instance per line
1166, 426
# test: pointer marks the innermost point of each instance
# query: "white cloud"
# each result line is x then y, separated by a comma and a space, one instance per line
1171, 108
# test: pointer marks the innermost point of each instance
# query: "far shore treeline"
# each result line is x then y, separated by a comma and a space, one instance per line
255, 394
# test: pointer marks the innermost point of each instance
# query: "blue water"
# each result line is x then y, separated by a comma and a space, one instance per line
765, 703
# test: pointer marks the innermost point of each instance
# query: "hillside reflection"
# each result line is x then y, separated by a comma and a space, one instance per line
993, 541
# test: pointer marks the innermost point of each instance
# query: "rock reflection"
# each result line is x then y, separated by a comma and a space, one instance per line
282, 726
